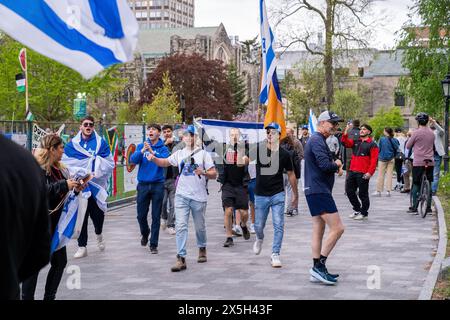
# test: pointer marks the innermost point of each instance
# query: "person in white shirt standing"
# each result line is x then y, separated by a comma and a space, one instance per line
195, 165
439, 152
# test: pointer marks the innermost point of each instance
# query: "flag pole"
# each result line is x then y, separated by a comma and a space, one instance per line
26, 84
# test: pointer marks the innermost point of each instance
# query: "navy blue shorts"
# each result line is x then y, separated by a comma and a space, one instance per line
320, 203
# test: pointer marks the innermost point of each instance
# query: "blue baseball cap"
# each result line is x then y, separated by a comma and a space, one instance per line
305, 127
191, 130
274, 125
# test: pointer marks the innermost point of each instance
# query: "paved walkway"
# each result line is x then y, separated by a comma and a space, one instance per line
391, 243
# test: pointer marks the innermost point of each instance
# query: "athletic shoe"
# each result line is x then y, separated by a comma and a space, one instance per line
360, 217
275, 260
429, 210
412, 211
252, 229
228, 243
100, 242
388, 193
257, 246
376, 194
322, 275
354, 214
171, 231
153, 250
81, 253
237, 231
245, 232
144, 241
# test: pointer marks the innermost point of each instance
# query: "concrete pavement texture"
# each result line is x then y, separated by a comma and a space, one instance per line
385, 257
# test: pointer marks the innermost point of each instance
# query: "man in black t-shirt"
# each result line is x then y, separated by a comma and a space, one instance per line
234, 194
271, 161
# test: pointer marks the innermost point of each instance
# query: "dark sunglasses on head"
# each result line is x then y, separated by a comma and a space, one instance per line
88, 124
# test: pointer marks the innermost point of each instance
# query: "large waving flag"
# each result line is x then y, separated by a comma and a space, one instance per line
86, 35
270, 93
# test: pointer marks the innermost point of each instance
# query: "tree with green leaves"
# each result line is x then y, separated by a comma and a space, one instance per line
52, 86
164, 106
348, 104
386, 117
298, 106
428, 61
238, 90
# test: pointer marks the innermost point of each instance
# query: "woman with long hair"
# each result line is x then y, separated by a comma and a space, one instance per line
401, 138
58, 186
388, 146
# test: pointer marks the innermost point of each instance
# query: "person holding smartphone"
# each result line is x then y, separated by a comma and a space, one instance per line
362, 167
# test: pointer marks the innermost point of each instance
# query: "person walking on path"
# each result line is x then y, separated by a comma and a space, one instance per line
407, 169
195, 165
88, 150
170, 174
24, 222
389, 146
292, 145
59, 184
362, 168
422, 144
150, 186
400, 158
320, 172
271, 162
439, 137
234, 193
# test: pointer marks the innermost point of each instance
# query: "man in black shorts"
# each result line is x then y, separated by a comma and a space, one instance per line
234, 194
320, 169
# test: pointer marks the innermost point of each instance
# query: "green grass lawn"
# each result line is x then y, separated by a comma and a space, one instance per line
120, 187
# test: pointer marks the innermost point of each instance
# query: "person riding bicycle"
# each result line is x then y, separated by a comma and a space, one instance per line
422, 144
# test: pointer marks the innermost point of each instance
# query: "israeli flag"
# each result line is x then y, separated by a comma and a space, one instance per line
312, 122
269, 60
86, 35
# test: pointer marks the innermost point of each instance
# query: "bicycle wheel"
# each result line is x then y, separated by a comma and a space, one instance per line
424, 197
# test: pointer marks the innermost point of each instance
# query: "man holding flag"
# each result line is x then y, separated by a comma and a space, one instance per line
88, 150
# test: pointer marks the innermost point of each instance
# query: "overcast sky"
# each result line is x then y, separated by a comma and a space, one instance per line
241, 18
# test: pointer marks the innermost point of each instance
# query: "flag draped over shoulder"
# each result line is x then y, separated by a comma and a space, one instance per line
270, 93
86, 35
100, 163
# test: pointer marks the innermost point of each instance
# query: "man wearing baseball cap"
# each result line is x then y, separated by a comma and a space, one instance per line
362, 168
271, 161
320, 169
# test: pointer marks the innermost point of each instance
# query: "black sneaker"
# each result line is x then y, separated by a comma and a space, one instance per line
429, 210
228, 242
245, 232
144, 241
153, 250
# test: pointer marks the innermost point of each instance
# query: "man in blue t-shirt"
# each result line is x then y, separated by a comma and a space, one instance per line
320, 169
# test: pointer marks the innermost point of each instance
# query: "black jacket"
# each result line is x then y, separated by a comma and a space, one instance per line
24, 221
57, 190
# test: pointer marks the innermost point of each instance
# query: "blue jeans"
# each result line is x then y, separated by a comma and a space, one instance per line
183, 206
436, 173
262, 207
146, 193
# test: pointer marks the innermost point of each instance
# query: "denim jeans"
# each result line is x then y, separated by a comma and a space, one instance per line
436, 173
183, 206
262, 207
146, 193
168, 205
289, 193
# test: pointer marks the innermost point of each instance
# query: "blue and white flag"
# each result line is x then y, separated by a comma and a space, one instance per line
219, 130
269, 59
312, 122
86, 35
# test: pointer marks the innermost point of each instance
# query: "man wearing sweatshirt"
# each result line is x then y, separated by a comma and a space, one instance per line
150, 186
362, 168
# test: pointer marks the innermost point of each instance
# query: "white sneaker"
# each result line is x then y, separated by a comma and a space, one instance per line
81, 253
376, 194
171, 231
257, 246
237, 230
163, 224
354, 214
313, 280
252, 229
276, 262
100, 242
360, 217
388, 193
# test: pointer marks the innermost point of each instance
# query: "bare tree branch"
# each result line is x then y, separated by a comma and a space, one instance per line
312, 8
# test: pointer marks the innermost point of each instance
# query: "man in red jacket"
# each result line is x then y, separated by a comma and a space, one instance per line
362, 167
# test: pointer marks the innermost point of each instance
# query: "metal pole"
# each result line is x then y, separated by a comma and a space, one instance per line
446, 158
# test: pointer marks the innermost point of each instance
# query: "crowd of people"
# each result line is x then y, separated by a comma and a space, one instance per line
173, 176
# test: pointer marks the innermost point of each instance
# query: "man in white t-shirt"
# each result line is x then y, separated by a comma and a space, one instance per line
195, 165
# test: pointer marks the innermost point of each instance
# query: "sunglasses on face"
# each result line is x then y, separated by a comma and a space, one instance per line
88, 124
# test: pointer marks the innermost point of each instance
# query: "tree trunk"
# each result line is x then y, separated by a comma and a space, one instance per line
328, 58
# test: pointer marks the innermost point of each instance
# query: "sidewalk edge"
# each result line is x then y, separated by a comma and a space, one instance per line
427, 290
